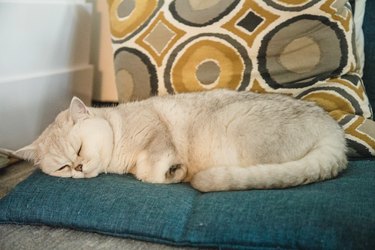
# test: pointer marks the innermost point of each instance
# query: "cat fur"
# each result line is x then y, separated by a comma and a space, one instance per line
217, 140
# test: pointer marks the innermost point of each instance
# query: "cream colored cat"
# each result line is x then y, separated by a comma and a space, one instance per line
217, 140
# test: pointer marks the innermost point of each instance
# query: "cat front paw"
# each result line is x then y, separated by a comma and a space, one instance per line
175, 172
86, 169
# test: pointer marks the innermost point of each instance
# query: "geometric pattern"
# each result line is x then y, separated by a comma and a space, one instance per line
226, 62
251, 8
159, 37
294, 5
342, 15
250, 22
282, 55
305, 49
127, 18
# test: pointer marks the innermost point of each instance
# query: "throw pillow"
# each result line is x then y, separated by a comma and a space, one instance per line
306, 49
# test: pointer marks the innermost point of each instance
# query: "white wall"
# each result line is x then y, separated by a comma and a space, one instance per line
102, 54
44, 61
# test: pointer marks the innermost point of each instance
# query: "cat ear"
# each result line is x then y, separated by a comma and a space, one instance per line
78, 110
26, 153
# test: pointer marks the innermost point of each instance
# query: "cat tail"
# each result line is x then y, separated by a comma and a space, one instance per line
324, 161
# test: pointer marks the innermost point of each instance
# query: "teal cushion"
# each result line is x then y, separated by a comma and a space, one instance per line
335, 214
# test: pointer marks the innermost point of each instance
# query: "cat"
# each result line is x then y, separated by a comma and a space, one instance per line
217, 140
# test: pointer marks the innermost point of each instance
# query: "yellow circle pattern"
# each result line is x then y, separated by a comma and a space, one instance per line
229, 61
122, 27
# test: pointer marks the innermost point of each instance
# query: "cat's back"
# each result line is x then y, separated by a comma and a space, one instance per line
199, 101
189, 107
217, 101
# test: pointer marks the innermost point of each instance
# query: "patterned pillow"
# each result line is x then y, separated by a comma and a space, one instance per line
301, 48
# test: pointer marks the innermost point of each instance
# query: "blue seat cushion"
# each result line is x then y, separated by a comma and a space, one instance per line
335, 214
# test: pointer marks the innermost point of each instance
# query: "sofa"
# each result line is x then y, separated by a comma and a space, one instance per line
119, 212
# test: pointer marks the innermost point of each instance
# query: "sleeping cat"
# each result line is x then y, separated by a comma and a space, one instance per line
217, 140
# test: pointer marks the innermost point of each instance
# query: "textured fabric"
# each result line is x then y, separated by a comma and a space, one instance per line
335, 214
307, 49
3, 160
26, 237
369, 33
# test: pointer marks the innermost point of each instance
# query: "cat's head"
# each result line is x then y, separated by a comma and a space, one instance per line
77, 144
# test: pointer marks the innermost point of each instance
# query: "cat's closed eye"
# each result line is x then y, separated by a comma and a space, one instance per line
63, 167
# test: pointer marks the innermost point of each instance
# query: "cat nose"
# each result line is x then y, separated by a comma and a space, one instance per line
78, 168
